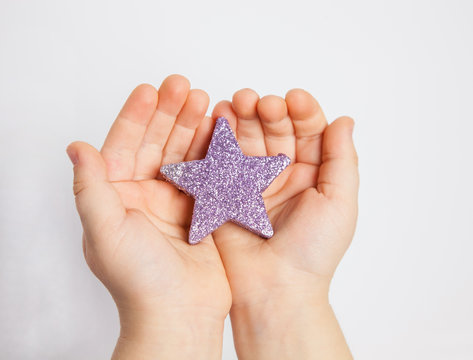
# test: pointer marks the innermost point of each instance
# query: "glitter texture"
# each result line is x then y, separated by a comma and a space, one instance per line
226, 185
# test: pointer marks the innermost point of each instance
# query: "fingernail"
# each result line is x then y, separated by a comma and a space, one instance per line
72, 155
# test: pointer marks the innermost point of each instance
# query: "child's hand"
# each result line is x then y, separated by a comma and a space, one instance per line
280, 285
172, 298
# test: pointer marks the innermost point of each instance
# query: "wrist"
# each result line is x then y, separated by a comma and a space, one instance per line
267, 314
295, 325
177, 333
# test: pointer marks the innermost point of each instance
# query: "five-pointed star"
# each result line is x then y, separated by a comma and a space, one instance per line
226, 185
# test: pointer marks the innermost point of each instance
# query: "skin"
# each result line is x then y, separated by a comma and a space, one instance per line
280, 286
172, 297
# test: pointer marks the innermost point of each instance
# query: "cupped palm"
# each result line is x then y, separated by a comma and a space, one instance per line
135, 224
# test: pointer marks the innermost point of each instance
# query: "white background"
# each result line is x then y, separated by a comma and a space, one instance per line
402, 69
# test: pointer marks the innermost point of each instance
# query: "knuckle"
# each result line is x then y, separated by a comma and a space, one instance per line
78, 186
355, 158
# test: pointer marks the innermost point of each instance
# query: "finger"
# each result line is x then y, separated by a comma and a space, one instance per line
201, 140
277, 126
126, 133
309, 123
224, 108
186, 124
289, 183
249, 131
338, 174
99, 205
172, 96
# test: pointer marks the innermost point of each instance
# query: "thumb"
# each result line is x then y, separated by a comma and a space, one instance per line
99, 205
338, 174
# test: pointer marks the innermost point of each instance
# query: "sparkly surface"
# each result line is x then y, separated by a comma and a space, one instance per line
226, 185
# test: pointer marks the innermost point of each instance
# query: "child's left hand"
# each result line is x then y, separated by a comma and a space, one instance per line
172, 298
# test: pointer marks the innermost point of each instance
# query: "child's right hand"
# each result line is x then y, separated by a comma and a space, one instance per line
172, 297
280, 285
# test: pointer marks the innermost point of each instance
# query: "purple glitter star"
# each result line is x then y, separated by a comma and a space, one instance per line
226, 185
